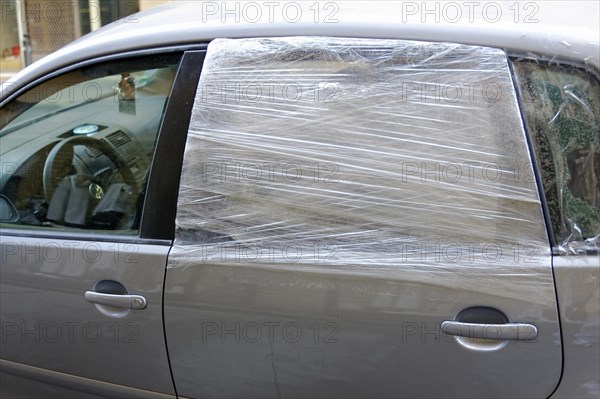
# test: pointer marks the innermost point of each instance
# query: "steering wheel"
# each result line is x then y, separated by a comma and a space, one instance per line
60, 159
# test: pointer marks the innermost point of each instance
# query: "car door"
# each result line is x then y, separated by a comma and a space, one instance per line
359, 218
82, 274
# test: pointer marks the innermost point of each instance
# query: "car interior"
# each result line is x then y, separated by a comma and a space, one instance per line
77, 149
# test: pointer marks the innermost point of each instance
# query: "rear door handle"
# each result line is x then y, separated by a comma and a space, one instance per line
500, 332
118, 301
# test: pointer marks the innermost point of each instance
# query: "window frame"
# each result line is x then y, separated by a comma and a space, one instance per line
160, 204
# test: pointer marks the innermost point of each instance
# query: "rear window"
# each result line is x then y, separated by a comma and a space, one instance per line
561, 105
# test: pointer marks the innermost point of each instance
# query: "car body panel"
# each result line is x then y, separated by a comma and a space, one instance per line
49, 325
19, 380
375, 338
578, 294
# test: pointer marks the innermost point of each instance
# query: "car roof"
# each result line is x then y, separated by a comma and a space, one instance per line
194, 22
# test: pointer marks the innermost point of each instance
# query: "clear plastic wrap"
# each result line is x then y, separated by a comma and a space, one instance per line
360, 155
562, 109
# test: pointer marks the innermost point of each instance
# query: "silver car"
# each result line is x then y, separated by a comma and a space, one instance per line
193, 208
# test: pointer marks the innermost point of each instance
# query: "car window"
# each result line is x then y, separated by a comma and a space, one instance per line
77, 148
561, 105
371, 151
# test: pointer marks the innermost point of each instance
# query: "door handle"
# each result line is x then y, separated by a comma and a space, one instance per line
118, 301
500, 332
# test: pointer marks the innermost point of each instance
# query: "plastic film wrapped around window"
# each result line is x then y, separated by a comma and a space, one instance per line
358, 156
562, 110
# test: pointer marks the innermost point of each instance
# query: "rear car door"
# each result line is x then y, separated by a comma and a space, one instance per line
359, 218
81, 280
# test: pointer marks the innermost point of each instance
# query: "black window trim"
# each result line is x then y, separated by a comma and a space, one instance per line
160, 204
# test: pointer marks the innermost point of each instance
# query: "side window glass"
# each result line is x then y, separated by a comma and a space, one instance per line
76, 149
561, 106
372, 151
